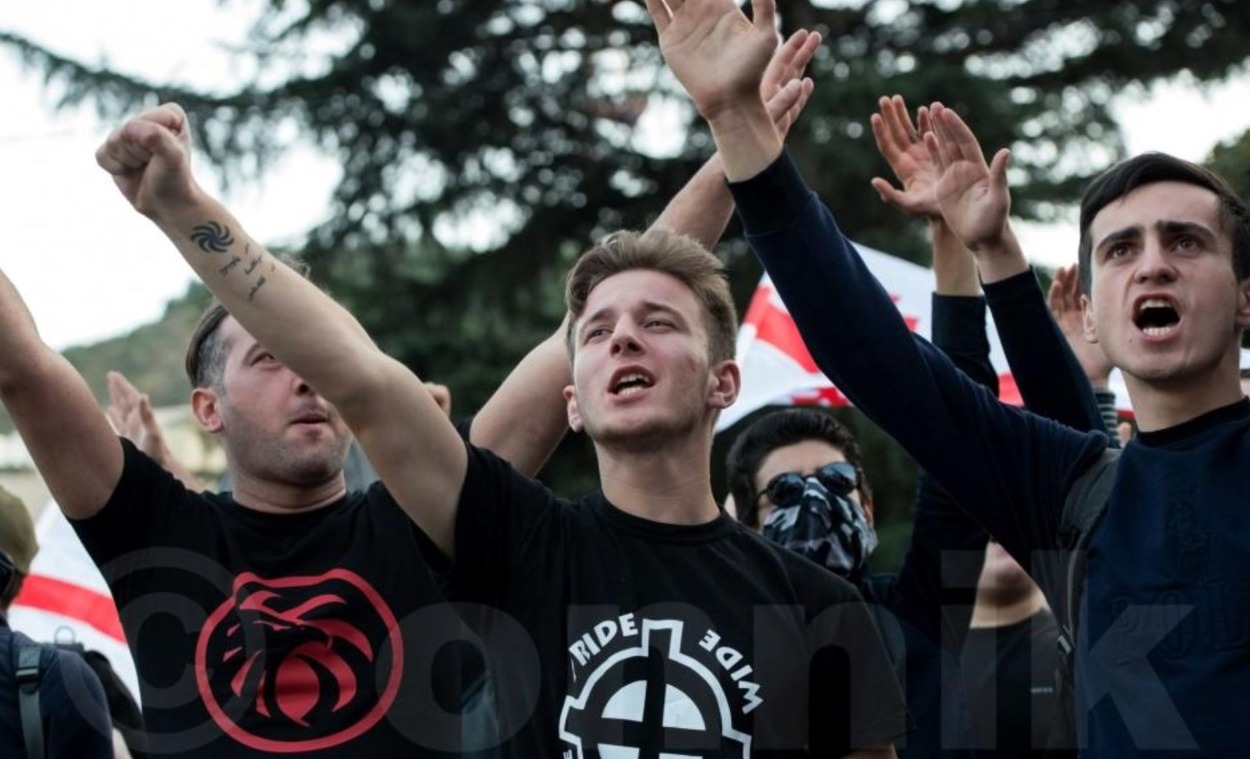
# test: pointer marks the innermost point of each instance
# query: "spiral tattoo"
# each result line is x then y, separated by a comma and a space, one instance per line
212, 237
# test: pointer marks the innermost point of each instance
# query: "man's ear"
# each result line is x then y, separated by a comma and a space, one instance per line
574, 413
207, 409
1088, 327
1243, 303
724, 382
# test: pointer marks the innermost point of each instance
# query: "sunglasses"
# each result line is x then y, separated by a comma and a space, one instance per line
838, 477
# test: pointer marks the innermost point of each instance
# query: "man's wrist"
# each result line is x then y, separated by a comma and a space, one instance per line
746, 139
173, 207
1000, 258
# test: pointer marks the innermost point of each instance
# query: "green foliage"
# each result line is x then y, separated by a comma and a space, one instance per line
1231, 160
485, 142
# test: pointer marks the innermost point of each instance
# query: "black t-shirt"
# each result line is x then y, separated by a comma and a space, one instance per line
315, 633
615, 632
72, 707
1009, 673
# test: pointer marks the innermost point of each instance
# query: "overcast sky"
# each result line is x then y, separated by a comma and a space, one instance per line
89, 267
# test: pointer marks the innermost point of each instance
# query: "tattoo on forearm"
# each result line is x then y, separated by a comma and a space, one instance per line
212, 237
259, 284
233, 263
251, 267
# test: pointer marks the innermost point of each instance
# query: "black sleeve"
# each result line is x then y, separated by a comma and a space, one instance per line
74, 710
959, 332
502, 520
1051, 380
145, 502
1007, 467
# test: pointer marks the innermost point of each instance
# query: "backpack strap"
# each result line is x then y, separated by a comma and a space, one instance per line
27, 674
1083, 508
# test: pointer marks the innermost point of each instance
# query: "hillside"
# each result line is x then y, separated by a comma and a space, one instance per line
151, 355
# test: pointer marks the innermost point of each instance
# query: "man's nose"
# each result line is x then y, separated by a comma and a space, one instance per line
625, 338
1154, 264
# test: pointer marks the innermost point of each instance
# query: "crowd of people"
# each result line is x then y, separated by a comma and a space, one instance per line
1069, 587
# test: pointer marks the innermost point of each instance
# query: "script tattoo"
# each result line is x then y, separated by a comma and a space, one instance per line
212, 237
251, 267
259, 284
233, 263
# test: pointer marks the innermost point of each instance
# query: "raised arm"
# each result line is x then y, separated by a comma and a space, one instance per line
66, 433
720, 56
973, 195
1006, 467
937, 581
704, 206
526, 418
975, 201
408, 439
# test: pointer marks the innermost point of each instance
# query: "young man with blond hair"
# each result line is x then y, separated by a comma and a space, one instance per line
623, 637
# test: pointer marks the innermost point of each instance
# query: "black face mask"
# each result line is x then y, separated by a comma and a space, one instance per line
831, 530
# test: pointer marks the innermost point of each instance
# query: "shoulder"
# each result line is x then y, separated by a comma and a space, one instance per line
489, 477
144, 486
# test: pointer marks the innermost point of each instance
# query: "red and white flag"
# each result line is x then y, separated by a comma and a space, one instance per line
778, 370
65, 598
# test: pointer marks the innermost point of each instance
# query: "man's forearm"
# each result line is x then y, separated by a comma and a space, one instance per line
273, 302
702, 208
62, 426
746, 139
954, 268
526, 418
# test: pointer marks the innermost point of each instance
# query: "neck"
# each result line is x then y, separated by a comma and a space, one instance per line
283, 497
670, 484
1160, 405
999, 608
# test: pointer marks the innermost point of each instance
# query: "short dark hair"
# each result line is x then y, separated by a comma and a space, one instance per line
779, 429
206, 354
1151, 168
667, 252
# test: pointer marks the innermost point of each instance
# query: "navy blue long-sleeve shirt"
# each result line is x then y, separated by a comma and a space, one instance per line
1163, 661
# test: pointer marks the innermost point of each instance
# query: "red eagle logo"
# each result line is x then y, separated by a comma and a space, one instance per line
299, 663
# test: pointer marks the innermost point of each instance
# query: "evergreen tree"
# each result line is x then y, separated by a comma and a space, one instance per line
485, 142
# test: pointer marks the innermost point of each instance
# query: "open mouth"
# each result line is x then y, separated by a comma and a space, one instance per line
1156, 316
631, 383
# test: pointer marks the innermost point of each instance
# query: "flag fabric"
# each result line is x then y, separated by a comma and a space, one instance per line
66, 599
778, 370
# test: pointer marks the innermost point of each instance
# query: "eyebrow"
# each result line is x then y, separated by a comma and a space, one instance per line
1166, 227
647, 306
1176, 228
1118, 236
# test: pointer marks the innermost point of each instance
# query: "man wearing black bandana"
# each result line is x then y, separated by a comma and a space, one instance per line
797, 477
798, 480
